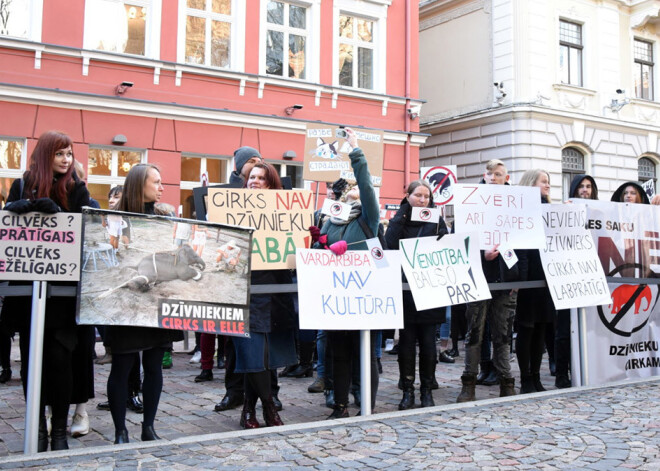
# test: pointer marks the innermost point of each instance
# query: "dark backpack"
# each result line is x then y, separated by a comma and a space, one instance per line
370, 235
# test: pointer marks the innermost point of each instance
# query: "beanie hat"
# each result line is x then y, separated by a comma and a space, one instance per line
243, 154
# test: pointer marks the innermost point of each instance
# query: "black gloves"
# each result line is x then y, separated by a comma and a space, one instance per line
45, 205
19, 206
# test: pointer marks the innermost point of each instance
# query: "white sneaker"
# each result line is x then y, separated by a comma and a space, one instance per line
197, 357
389, 345
80, 425
47, 414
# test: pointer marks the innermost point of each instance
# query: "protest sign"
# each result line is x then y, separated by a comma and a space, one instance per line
326, 155
442, 180
336, 209
40, 247
348, 292
281, 219
623, 335
170, 273
443, 272
570, 262
500, 214
425, 214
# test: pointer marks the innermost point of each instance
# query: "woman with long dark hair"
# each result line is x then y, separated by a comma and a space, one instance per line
271, 344
418, 326
50, 185
142, 190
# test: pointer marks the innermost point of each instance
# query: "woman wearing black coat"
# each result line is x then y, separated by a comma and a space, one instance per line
418, 326
49, 186
535, 310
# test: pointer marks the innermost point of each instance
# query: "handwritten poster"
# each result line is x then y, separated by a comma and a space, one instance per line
281, 218
349, 292
500, 214
443, 272
38, 246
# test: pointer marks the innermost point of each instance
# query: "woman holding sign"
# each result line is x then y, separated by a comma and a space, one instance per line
535, 310
364, 213
142, 190
418, 326
271, 344
49, 186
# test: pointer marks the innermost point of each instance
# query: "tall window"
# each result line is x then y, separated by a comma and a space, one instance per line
286, 25
293, 171
646, 172
572, 163
356, 52
108, 167
121, 26
192, 167
643, 52
12, 163
208, 32
570, 53
21, 18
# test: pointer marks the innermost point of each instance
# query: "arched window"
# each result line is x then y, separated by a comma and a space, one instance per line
572, 163
646, 171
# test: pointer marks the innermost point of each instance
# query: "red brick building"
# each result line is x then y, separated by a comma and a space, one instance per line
183, 83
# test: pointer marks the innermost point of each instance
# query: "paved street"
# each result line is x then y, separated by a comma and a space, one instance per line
593, 428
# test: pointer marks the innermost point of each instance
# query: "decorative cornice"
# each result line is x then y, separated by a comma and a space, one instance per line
452, 14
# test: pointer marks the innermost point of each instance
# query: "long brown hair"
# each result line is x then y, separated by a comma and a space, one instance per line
39, 180
272, 177
132, 196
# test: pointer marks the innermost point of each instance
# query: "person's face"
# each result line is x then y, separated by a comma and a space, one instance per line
630, 195
257, 179
329, 193
153, 187
543, 182
496, 176
420, 197
353, 194
62, 161
247, 167
585, 189
113, 201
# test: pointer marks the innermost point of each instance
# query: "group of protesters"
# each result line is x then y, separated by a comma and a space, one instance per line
51, 185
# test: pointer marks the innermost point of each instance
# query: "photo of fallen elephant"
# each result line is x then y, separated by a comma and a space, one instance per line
157, 264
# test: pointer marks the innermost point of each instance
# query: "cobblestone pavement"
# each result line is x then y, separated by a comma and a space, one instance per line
594, 428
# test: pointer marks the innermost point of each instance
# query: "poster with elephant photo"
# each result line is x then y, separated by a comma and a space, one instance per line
159, 271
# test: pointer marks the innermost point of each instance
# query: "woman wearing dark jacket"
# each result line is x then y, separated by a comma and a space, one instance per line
630, 192
364, 206
50, 185
271, 344
142, 190
418, 326
535, 309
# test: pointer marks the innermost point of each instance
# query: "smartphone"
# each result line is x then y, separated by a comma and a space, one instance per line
341, 133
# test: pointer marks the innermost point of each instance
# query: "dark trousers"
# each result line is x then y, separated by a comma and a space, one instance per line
408, 338
563, 342
530, 344
345, 354
5, 349
458, 324
122, 363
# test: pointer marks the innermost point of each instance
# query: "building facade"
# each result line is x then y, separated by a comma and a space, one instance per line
567, 86
183, 83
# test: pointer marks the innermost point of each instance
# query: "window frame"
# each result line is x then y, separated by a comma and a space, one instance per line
644, 178
112, 179
283, 164
641, 63
151, 30
567, 174
35, 13
237, 37
578, 48
377, 13
13, 174
312, 41
189, 184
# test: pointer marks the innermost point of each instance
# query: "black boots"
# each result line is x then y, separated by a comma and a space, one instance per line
467, 393
526, 384
42, 443
488, 374
121, 436
271, 417
339, 412
408, 399
248, 415
58, 435
148, 433
304, 368
536, 379
426, 398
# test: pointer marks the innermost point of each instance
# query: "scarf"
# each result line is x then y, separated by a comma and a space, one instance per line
356, 211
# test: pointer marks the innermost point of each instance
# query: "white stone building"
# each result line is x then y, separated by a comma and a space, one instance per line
569, 86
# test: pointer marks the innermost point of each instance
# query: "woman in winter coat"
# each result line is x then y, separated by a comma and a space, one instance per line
535, 310
142, 190
630, 192
364, 207
49, 186
418, 326
271, 344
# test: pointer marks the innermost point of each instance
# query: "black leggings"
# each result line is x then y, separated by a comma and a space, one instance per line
530, 344
345, 354
122, 363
